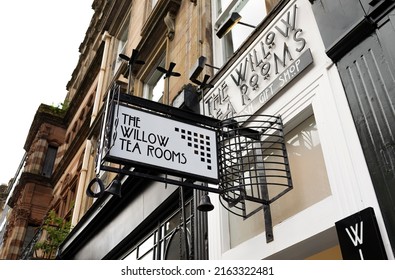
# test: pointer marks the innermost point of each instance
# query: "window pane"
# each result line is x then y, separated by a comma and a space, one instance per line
146, 245
148, 256
167, 240
172, 224
49, 161
252, 13
154, 85
120, 43
132, 255
176, 247
222, 5
158, 89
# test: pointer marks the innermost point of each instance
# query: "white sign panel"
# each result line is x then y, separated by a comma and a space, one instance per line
151, 140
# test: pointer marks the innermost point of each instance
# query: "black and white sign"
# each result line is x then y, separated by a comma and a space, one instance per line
279, 83
146, 139
360, 238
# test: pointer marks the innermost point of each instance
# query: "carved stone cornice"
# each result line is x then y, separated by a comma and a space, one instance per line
27, 177
45, 114
71, 151
22, 214
170, 21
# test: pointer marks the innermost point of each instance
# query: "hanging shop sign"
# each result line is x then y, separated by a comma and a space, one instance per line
272, 61
359, 237
152, 140
142, 138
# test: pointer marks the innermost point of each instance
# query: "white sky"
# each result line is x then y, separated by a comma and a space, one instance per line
38, 53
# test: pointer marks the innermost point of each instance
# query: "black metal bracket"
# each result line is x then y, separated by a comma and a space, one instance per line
252, 160
146, 175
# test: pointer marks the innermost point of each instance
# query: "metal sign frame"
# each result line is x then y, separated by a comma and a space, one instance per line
154, 171
146, 139
244, 149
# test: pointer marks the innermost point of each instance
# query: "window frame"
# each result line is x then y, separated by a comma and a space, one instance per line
120, 45
223, 49
49, 161
152, 81
160, 236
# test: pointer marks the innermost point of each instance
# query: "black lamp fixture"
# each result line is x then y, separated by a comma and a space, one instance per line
203, 85
115, 187
230, 23
198, 68
168, 73
205, 204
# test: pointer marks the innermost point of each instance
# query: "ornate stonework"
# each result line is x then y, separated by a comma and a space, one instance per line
170, 20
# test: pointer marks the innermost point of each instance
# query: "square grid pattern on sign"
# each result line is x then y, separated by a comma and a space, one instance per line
200, 144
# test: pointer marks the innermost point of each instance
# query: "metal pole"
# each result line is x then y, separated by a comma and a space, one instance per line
184, 222
265, 192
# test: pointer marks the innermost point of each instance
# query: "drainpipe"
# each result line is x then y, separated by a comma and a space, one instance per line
100, 84
81, 199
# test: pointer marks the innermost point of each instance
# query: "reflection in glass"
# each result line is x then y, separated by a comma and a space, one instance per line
146, 245
175, 246
309, 178
167, 241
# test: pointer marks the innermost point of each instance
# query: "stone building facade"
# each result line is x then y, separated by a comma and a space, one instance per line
171, 57
31, 193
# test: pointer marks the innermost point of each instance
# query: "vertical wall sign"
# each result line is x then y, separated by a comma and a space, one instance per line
360, 238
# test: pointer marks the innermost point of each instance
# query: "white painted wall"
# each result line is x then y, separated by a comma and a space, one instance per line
318, 90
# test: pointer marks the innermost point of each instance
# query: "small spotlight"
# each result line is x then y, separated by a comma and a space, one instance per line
230, 23
198, 68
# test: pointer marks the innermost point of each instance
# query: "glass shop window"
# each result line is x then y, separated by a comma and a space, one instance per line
168, 241
121, 40
154, 85
309, 178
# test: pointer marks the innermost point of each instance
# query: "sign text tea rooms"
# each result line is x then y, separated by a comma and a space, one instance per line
142, 138
271, 62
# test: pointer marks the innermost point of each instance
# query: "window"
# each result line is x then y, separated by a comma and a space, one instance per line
30, 233
149, 7
120, 43
166, 242
49, 161
153, 3
252, 12
309, 179
154, 85
68, 198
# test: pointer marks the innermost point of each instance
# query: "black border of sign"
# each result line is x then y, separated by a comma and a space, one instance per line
162, 111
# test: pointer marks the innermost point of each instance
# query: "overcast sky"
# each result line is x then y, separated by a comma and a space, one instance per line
39, 51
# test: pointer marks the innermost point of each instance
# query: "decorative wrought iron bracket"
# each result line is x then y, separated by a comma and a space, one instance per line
251, 158
253, 165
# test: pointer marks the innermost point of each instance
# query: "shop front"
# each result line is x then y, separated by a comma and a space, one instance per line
283, 70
